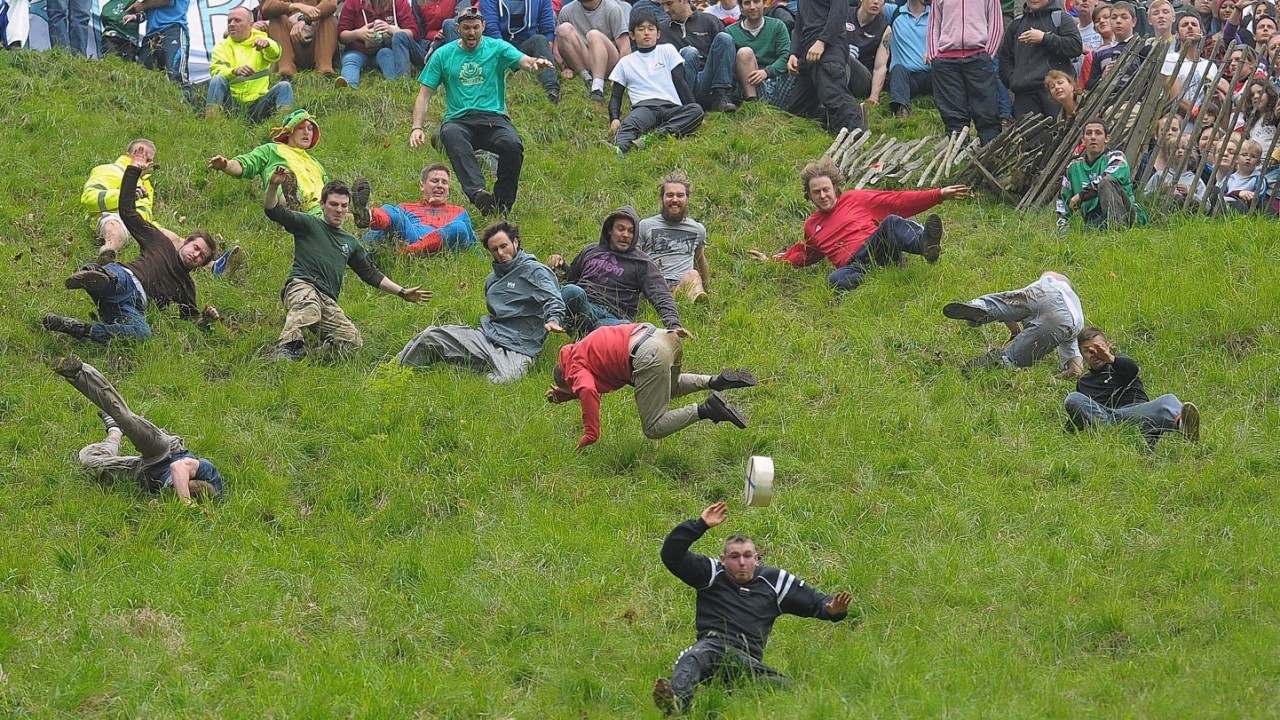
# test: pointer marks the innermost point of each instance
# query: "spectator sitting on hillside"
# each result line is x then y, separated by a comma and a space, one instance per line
865, 32
1111, 393
1099, 185
1122, 20
1194, 76
661, 99
909, 75
523, 299
161, 274
1050, 315
819, 56
473, 72
1090, 38
1042, 40
421, 228
322, 250
763, 48
1222, 162
1243, 188
307, 31
676, 243
376, 31
432, 16
1062, 89
649, 359
530, 26
593, 35
121, 30
858, 230
738, 602
708, 51
962, 41
164, 462
240, 72
289, 148
167, 44
1169, 156
605, 281
1161, 17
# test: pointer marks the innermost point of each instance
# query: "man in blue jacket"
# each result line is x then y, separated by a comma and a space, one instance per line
524, 304
738, 602
530, 25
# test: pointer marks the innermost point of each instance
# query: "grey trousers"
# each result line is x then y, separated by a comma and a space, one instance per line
1047, 323
155, 444
466, 346
655, 373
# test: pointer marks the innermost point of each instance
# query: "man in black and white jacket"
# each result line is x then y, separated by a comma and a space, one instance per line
737, 604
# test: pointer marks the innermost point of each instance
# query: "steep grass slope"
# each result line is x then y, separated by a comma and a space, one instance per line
421, 544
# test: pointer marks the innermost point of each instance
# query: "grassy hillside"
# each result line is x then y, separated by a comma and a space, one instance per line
421, 544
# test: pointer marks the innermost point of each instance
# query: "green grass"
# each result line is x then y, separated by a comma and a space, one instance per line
421, 544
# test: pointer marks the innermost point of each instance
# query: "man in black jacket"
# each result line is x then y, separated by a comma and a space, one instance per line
603, 284
1044, 38
1111, 393
819, 54
160, 275
709, 53
737, 604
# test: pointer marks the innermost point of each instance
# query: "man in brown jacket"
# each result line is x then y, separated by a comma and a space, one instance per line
307, 31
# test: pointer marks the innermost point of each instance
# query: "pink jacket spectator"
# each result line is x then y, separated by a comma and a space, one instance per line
963, 28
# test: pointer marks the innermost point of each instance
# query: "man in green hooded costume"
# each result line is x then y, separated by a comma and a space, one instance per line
290, 146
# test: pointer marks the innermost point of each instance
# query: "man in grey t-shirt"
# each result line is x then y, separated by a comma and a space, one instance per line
676, 243
590, 39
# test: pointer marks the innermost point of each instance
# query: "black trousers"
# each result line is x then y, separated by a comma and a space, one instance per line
1035, 101
712, 657
462, 136
964, 89
822, 92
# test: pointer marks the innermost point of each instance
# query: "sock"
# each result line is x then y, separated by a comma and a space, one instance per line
597, 84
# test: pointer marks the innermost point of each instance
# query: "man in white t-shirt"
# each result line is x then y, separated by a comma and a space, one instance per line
661, 99
675, 242
1194, 74
1051, 318
590, 39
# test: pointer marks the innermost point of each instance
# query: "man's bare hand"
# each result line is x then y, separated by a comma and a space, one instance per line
243, 71
295, 32
839, 604
757, 77
758, 256
1031, 37
554, 327
793, 65
211, 313
415, 294
312, 12
1074, 202
555, 261
280, 176
262, 43
714, 514
566, 74
217, 162
614, 125
815, 52
683, 333
417, 137
955, 192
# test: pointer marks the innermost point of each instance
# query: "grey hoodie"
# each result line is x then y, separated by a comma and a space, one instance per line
522, 296
616, 280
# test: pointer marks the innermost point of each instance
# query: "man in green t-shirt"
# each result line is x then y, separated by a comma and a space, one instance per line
322, 250
473, 71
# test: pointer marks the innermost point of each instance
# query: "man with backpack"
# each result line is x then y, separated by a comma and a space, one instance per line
1045, 38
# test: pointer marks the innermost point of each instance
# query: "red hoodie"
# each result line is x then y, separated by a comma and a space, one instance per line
597, 364
840, 233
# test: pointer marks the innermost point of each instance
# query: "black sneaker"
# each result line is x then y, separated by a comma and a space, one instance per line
716, 409
108, 422
360, 202
971, 314
290, 352
931, 238
596, 96
90, 278
663, 696
732, 378
484, 202
68, 366
67, 326
1076, 421
553, 96
720, 102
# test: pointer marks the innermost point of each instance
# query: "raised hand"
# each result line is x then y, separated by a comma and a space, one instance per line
714, 514
280, 176
218, 162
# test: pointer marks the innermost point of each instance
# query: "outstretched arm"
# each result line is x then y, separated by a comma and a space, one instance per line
693, 569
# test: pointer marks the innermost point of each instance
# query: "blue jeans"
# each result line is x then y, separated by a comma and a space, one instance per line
392, 61
120, 309
905, 84
1154, 417
896, 235
583, 315
715, 71
69, 22
1003, 100
652, 7
410, 228
449, 31
279, 96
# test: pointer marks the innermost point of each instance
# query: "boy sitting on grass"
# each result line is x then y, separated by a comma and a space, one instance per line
1245, 184
1112, 393
660, 95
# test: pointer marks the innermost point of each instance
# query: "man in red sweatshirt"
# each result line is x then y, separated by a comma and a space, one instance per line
859, 229
648, 358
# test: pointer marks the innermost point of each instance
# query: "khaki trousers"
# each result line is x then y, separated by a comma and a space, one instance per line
155, 444
655, 373
305, 306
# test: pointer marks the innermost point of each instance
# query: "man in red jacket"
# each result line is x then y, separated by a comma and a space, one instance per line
648, 358
859, 229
